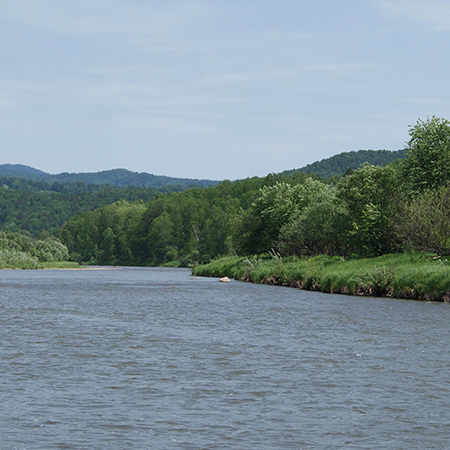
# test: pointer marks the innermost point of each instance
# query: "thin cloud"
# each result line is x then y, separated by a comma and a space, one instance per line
158, 95
290, 36
334, 69
6, 103
102, 16
15, 91
169, 125
435, 13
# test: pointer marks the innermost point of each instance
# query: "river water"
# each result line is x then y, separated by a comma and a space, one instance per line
137, 358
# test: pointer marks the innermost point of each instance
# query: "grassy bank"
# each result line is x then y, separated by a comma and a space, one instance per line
412, 276
59, 265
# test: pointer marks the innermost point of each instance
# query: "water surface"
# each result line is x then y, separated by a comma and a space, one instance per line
134, 358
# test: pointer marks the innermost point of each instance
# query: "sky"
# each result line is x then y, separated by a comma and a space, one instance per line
215, 89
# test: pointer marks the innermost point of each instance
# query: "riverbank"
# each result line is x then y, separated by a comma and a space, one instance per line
410, 276
26, 265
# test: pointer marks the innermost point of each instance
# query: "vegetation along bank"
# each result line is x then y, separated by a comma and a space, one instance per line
23, 251
404, 275
370, 228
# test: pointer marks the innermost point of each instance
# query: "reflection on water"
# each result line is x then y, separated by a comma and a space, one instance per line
154, 358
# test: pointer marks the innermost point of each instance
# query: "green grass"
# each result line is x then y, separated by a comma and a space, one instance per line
174, 263
406, 275
60, 265
231, 266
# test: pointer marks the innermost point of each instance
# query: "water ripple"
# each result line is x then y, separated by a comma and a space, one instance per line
154, 358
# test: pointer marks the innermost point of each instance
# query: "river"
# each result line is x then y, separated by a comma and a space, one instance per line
137, 358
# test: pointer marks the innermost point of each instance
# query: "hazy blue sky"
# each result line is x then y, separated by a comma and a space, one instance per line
215, 88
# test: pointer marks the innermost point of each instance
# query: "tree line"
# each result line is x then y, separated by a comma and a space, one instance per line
33, 201
370, 211
34, 205
186, 227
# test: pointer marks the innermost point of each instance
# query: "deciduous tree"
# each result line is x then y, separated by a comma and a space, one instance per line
427, 165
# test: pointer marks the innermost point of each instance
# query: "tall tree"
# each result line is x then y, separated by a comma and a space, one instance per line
370, 196
427, 165
425, 225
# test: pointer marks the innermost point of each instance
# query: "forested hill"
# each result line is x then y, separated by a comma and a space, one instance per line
326, 168
34, 200
21, 171
339, 164
115, 177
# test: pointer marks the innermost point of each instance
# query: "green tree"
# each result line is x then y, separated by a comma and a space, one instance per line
427, 165
160, 238
425, 225
258, 228
107, 254
371, 197
316, 228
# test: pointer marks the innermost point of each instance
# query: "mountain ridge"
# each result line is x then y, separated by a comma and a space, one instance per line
22, 171
117, 177
340, 163
325, 168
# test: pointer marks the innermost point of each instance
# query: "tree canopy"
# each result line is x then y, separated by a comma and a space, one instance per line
428, 163
369, 211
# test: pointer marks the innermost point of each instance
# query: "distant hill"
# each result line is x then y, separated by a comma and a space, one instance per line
127, 178
326, 168
21, 171
339, 164
115, 177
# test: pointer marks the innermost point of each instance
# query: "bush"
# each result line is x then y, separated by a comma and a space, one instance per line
21, 250
425, 225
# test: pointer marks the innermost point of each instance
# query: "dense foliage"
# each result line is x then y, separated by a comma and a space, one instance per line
370, 211
373, 210
21, 250
48, 210
37, 205
189, 226
33, 200
428, 164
